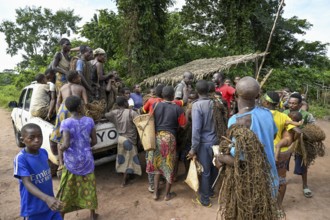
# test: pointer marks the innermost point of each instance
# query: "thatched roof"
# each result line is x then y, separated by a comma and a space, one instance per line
201, 68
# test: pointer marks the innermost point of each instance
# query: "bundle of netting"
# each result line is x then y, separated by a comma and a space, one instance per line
246, 192
220, 117
311, 144
95, 109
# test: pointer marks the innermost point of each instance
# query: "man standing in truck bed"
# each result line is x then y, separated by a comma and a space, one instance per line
69, 89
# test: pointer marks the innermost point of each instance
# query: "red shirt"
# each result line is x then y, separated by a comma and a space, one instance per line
148, 105
227, 93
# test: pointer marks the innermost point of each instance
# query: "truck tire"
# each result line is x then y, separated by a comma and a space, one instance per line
18, 138
53, 168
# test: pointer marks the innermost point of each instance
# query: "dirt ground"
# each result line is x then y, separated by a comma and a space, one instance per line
135, 202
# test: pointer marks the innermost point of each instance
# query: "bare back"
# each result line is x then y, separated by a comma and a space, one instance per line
73, 89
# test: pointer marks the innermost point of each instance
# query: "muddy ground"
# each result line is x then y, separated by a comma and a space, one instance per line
135, 202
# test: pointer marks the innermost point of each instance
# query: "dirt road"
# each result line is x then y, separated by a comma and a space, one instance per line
135, 202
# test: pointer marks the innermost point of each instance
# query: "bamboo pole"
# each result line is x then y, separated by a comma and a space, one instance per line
265, 78
270, 37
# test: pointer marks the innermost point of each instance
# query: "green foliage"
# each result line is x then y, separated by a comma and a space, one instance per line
36, 31
24, 78
6, 78
142, 35
319, 111
103, 31
8, 93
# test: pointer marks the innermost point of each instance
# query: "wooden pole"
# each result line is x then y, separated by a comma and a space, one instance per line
265, 78
270, 37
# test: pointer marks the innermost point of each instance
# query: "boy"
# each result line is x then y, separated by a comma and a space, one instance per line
32, 170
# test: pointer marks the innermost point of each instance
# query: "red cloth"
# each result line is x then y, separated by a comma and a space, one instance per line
148, 105
227, 93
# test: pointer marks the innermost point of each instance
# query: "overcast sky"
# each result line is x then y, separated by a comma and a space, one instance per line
316, 12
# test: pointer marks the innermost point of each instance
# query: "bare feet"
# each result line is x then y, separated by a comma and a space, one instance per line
94, 215
156, 195
170, 196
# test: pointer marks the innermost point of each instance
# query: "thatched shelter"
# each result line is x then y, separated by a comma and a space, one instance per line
201, 68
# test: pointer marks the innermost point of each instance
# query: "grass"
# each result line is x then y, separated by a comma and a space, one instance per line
8, 93
319, 110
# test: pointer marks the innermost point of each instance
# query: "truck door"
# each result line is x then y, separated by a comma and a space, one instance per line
19, 110
26, 107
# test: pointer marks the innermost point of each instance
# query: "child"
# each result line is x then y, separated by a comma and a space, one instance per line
127, 154
77, 185
35, 180
296, 117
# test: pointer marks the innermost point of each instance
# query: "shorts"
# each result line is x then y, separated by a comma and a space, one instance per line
299, 167
281, 166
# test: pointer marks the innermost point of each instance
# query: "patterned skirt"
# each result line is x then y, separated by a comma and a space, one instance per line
60, 81
161, 160
127, 157
63, 113
77, 192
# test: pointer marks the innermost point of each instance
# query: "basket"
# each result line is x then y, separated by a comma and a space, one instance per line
145, 125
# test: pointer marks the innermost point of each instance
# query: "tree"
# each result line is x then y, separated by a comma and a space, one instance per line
238, 27
103, 31
143, 35
36, 31
234, 26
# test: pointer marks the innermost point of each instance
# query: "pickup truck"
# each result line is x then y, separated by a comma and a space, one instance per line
107, 137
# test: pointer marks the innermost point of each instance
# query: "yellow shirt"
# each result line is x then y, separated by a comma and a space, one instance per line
279, 119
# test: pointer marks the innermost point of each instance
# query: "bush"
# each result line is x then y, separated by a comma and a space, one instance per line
8, 93
319, 111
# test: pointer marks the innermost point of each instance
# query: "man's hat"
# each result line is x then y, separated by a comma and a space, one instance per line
98, 51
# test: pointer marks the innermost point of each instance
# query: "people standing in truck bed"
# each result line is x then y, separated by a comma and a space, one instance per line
61, 63
69, 89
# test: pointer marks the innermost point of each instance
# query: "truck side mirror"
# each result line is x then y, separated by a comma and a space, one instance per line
12, 104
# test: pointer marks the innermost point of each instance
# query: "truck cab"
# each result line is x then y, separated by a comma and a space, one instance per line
106, 132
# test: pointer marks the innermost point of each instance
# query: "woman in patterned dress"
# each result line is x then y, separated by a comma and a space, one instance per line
168, 118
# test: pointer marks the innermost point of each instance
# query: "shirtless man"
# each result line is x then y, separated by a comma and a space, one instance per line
70, 89
99, 78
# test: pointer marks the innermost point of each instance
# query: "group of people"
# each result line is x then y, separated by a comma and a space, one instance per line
189, 121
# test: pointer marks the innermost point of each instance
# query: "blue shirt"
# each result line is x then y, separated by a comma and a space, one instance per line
263, 125
138, 100
80, 66
36, 167
203, 125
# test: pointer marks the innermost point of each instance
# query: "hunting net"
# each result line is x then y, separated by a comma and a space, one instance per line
247, 190
95, 109
310, 144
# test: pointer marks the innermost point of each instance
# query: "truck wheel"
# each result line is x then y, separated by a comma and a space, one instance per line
53, 168
18, 138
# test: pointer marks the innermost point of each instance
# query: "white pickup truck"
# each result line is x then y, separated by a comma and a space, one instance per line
107, 137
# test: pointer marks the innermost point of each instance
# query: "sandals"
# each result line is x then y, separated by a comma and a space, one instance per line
198, 202
307, 193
